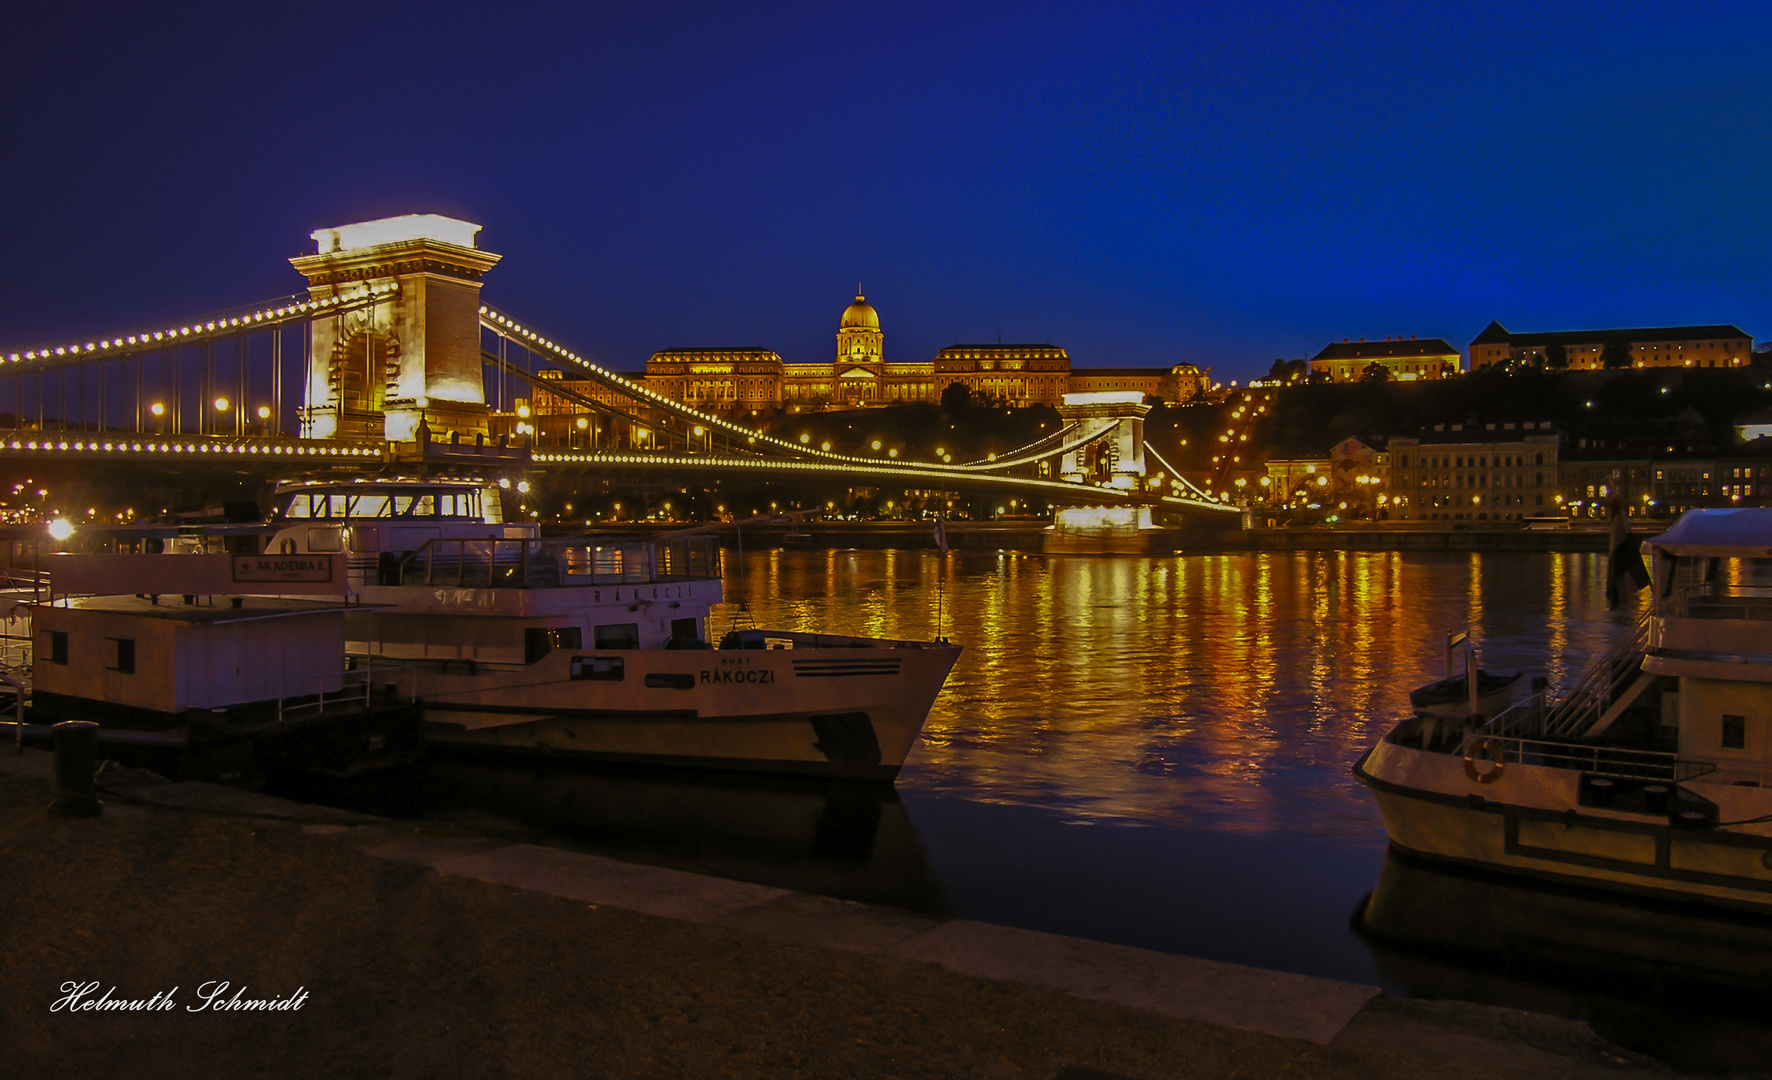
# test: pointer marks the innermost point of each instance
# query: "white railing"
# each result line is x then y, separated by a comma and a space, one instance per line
1599, 687
298, 697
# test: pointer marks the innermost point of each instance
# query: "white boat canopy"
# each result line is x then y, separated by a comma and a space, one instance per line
1718, 534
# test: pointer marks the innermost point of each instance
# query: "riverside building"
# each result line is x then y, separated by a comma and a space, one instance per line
1470, 472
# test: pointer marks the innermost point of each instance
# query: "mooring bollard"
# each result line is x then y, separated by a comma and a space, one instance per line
76, 762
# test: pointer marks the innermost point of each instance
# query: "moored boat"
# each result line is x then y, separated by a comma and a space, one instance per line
600, 647
1649, 775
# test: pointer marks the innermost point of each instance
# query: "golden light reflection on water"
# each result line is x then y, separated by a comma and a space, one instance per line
1226, 691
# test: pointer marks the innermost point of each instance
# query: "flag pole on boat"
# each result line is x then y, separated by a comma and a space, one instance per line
941, 578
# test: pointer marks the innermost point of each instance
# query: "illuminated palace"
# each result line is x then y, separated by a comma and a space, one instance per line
1717, 345
757, 379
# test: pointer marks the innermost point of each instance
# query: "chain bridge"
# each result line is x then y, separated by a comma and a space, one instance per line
392, 363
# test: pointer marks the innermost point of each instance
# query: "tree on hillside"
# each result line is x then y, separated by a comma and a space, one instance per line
1288, 371
1375, 372
1556, 356
956, 398
1616, 354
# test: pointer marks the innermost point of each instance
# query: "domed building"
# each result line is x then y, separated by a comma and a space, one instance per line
756, 379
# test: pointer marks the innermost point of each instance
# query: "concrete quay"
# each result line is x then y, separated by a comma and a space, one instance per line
430, 951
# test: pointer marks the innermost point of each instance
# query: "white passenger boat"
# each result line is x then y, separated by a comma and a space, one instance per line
1650, 775
600, 647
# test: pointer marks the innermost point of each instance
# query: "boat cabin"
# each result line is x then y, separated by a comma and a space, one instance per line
375, 522
1711, 628
148, 660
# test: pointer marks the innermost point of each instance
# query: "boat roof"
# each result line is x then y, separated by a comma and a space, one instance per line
1744, 533
399, 484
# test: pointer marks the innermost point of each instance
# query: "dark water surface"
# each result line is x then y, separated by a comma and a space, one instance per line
1157, 752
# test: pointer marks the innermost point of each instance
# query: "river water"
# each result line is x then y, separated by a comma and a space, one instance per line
1157, 752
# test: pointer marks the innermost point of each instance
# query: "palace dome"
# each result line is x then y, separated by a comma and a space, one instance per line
860, 315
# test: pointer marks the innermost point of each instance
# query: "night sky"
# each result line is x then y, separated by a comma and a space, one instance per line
1216, 184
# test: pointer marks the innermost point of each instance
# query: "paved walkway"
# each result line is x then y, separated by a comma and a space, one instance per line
540, 961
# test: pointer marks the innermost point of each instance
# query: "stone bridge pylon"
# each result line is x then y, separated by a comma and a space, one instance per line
376, 371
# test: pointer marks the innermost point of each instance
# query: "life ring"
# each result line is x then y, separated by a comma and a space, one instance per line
287, 547
1493, 749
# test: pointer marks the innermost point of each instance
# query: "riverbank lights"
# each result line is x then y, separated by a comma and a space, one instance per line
824, 446
221, 404
523, 411
700, 431
523, 487
583, 423
157, 409
60, 529
805, 438
505, 484
876, 444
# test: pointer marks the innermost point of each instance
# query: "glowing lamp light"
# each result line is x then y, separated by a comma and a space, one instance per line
157, 409
264, 412
523, 487
61, 528
221, 404
583, 423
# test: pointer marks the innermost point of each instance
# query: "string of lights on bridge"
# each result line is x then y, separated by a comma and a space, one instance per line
180, 335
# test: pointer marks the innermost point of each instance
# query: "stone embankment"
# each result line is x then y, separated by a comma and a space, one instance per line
424, 951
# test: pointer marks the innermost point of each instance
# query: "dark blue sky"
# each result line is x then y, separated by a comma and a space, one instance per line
1218, 184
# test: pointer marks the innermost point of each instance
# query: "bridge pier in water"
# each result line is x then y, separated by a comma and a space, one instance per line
1115, 456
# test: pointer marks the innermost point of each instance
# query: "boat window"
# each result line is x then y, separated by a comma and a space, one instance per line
597, 668
539, 641
369, 506
685, 629
1734, 732
298, 507
402, 505
335, 506
424, 506
124, 656
324, 540
58, 646
618, 636
366, 539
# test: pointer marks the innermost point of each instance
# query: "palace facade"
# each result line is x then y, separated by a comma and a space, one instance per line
1718, 345
756, 379
860, 376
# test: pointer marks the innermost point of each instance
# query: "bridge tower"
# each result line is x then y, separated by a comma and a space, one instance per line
1115, 457
377, 371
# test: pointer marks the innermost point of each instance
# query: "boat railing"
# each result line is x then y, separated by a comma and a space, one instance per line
300, 697
1583, 705
1711, 601
530, 564
1610, 761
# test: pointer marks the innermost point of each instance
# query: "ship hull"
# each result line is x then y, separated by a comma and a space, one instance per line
846, 713
1530, 823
